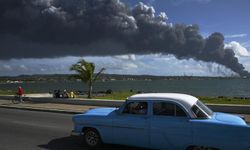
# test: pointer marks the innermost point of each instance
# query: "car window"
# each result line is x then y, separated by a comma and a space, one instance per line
167, 109
198, 112
179, 112
139, 108
204, 108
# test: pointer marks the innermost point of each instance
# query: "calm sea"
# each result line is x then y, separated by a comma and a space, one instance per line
205, 87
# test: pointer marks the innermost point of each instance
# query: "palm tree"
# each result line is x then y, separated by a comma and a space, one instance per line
85, 73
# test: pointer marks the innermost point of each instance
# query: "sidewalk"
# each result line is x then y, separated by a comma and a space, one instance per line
51, 107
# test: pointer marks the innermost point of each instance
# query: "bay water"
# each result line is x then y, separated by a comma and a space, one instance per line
199, 87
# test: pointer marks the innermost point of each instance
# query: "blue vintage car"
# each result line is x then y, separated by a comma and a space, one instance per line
163, 121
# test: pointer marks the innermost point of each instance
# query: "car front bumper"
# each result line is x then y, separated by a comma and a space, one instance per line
74, 133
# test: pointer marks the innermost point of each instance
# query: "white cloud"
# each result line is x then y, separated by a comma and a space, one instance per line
23, 67
121, 64
154, 64
246, 44
165, 65
238, 49
130, 66
7, 67
236, 35
126, 57
15, 67
43, 69
246, 62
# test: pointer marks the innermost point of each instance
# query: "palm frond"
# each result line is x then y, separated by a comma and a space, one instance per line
97, 75
85, 72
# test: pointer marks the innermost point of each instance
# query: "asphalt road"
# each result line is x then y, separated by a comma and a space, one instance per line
32, 130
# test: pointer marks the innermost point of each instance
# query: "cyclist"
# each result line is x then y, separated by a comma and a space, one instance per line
20, 93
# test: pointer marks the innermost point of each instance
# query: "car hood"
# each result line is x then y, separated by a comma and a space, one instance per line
99, 111
229, 118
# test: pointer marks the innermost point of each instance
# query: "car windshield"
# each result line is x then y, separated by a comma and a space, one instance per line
201, 110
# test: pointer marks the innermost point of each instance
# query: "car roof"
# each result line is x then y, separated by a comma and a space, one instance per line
183, 99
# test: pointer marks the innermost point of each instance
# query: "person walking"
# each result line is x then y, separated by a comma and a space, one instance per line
65, 94
20, 93
72, 94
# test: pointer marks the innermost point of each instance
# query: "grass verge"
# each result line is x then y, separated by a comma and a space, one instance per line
116, 95
122, 95
7, 92
225, 100
205, 99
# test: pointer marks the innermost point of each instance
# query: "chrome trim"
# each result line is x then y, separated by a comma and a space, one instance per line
74, 133
114, 126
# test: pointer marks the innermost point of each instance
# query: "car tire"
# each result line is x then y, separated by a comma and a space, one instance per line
92, 138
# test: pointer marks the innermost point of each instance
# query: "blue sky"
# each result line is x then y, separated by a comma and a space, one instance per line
230, 17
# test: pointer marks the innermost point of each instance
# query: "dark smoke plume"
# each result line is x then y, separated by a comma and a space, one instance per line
54, 28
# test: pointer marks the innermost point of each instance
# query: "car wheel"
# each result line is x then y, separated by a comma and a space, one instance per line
92, 138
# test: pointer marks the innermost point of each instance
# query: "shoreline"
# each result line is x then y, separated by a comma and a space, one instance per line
210, 88
119, 96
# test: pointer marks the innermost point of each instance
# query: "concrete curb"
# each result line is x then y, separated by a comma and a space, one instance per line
41, 110
75, 101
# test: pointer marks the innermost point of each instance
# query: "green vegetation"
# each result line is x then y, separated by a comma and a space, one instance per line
225, 100
116, 95
207, 100
6, 92
13, 92
85, 73
122, 95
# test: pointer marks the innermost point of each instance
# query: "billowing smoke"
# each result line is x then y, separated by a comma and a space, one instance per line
55, 28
